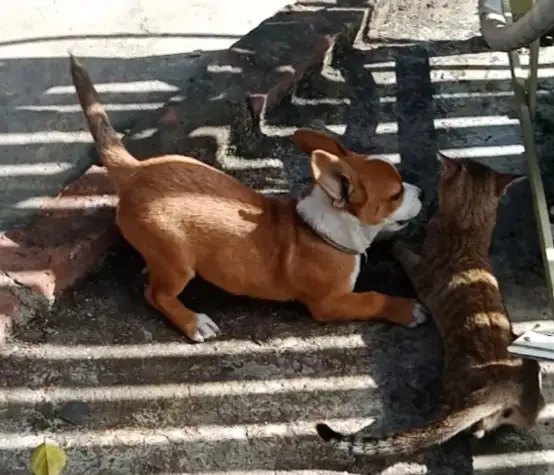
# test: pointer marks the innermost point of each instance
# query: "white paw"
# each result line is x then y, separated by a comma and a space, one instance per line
479, 434
206, 329
419, 315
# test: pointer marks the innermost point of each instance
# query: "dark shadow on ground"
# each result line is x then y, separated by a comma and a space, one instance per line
42, 131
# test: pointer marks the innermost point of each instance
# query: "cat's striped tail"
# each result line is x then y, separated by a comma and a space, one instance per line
444, 427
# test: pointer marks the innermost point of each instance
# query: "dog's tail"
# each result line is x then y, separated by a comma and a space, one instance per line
113, 155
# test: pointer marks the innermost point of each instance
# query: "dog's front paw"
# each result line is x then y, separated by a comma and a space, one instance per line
478, 433
419, 315
206, 329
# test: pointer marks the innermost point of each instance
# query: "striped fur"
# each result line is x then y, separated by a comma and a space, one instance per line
483, 386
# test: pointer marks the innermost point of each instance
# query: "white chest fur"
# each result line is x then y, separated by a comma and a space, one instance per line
355, 271
335, 225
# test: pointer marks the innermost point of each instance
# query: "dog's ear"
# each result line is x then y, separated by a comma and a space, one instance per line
334, 176
309, 140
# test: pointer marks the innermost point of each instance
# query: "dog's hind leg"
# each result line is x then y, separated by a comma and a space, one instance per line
162, 291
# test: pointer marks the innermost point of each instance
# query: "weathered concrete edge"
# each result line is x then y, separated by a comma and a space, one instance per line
21, 298
32, 276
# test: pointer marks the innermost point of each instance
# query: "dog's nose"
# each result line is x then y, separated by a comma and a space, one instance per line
421, 195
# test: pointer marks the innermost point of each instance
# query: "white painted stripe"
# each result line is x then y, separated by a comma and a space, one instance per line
183, 350
37, 168
170, 391
113, 107
237, 163
45, 137
468, 152
334, 101
54, 136
172, 435
381, 65
118, 87
118, 48
473, 60
493, 151
485, 74
392, 127
484, 60
437, 75
466, 95
58, 137
166, 435
486, 463
474, 121
273, 191
173, 349
283, 131
67, 202
223, 68
454, 123
385, 128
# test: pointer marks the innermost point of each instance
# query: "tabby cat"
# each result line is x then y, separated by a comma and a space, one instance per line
482, 385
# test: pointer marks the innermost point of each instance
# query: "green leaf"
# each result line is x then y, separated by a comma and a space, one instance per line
48, 459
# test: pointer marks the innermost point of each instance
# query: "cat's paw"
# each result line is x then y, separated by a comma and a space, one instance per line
419, 315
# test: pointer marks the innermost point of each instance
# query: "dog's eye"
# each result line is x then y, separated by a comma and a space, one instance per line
507, 413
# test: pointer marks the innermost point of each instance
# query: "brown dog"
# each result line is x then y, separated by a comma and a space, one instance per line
187, 218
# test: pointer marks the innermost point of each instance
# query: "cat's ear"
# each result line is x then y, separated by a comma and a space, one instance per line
450, 167
504, 180
441, 157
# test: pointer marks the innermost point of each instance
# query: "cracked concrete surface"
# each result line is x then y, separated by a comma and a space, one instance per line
247, 403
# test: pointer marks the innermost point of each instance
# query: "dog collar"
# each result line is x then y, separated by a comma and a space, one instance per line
329, 241
337, 228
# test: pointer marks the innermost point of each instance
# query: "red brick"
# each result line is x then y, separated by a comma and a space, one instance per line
255, 74
69, 233
266, 64
9, 311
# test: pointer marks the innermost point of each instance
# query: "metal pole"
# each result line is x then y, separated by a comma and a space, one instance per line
525, 90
